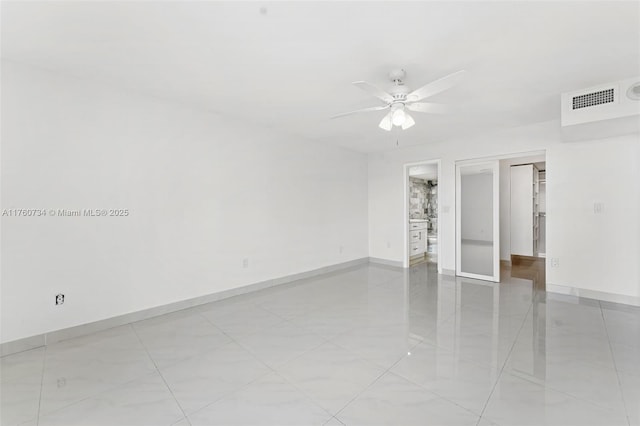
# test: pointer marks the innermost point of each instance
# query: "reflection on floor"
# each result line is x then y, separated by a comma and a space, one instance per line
370, 345
529, 268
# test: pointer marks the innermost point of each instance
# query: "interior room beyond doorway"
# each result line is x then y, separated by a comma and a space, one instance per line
422, 211
523, 218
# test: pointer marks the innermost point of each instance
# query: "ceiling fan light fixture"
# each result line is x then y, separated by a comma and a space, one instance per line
408, 122
385, 123
399, 99
399, 117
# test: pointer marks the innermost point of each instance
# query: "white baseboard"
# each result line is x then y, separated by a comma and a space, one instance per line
387, 262
33, 342
593, 294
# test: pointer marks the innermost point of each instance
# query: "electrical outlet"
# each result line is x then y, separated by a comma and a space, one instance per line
59, 299
341, 249
598, 208
388, 244
245, 262
555, 262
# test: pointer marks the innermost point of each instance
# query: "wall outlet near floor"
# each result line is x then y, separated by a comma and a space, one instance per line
598, 208
245, 262
59, 299
555, 262
388, 244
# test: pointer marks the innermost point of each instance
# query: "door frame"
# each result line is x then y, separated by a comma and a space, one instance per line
495, 167
407, 243
516, 154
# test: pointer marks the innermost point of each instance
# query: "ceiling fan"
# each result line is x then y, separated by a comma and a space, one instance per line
399, 99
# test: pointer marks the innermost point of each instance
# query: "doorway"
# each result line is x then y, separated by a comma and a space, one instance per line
523, 218
422, 212
484, 247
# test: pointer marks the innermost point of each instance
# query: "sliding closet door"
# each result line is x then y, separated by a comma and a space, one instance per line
478, 220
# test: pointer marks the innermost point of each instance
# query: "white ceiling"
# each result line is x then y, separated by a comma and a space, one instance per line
289, 65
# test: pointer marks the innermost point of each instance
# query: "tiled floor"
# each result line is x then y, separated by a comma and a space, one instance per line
365, 346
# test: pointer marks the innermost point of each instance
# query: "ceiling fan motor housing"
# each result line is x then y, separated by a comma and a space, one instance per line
399, 93
397, 76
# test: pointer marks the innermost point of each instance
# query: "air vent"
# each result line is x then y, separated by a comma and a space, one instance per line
593, 99
603, 111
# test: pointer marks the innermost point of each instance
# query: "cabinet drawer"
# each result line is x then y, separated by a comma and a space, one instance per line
415, 236
417, 225
416, 249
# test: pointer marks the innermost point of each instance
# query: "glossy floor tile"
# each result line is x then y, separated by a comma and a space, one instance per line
89, 365
393, 400
519, 401
331, 375
145, 401
202, 380
371, 345
20, 386
268, 401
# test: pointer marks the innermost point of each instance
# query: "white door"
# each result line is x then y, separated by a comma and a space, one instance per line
478, 220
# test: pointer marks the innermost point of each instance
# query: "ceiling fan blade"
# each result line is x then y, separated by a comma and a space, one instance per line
408, 122
386, 122
374, 90
435, 87
376, 108
428, 107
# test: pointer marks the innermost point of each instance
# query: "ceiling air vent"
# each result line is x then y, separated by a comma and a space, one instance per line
593, 99
603, 111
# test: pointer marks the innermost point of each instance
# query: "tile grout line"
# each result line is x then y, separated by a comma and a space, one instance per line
159, 373
104, 391
615, 366
388, 370
505, 363
284, 320
305, 394
373, 382
239, 343
271, 369
311, 398
564, 392
434, 392
44, 364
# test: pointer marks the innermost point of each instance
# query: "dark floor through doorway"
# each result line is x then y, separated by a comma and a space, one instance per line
530, 268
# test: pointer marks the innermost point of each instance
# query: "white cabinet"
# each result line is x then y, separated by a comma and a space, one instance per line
417, 238
525, 229
417, 225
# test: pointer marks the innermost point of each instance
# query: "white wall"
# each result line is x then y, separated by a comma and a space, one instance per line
203, 193
596, 252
